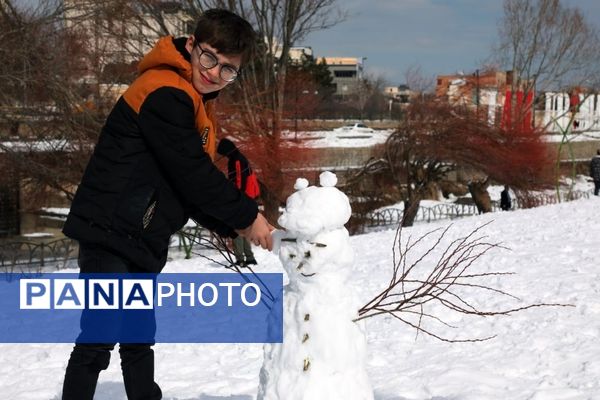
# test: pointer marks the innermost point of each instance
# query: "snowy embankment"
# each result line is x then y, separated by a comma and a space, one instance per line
329, 139
542, 353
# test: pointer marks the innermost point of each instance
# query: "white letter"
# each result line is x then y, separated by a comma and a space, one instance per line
189, 294
162, 294
215, 294
257, 291
229, 294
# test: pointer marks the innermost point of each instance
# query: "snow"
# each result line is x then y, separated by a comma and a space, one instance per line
38, 235
36, 146
323, 354
356, 138
310, 210
56, 210
325, 139
573, 137
550, 353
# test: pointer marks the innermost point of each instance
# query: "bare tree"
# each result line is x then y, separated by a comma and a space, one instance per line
82, 54
440, 275
281, 24
417, 81
56, 93
435, 138
549, 47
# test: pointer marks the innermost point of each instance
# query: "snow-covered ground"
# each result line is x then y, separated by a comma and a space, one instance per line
324, 139
574, 137
332, 138
581, 183
548, 353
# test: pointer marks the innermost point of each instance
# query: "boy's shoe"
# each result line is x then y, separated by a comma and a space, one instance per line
251, 262
241, 263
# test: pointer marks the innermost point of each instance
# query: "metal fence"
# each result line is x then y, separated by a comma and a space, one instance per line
25, 256
393, 216
22, 255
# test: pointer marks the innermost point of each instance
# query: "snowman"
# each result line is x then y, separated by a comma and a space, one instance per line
323, 354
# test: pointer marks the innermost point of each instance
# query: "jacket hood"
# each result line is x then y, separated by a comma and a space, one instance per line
166, 55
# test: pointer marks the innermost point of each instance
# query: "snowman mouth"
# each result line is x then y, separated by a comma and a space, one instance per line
294, 240
300, 266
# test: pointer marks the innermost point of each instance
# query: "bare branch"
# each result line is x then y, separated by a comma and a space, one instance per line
407, 292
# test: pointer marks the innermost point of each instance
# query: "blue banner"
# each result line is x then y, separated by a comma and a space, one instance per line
141, 308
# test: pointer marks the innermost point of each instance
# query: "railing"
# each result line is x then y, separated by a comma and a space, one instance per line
393, 216
25, 256
21, 255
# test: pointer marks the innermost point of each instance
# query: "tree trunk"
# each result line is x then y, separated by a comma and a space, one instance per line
271, 204
272, 194
480, 195
411, 208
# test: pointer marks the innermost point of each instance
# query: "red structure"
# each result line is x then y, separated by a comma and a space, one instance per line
518, 111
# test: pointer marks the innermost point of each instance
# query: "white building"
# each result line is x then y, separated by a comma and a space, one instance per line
557, 112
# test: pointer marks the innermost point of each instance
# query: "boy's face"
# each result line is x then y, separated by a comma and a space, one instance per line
206, 80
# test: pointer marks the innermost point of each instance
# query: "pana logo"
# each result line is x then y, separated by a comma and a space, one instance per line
73, 294
136, 294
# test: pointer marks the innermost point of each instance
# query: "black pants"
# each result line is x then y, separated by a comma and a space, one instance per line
596, 187
87, 360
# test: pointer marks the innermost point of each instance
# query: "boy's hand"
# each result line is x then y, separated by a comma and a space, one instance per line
259, 233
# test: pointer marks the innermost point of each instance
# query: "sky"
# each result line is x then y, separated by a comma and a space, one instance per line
439, 36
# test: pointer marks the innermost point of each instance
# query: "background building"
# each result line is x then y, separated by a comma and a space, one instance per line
485, 91
400, 94
121, 36
555, 111
347, 72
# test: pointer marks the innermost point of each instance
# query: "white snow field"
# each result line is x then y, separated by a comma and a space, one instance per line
539, 354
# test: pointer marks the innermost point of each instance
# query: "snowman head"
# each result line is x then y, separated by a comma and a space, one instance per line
312, 210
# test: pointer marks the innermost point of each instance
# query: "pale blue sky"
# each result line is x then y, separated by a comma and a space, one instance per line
441, 36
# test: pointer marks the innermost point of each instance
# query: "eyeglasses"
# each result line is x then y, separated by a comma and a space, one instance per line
208, 60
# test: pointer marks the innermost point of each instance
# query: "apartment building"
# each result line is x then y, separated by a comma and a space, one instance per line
347, 72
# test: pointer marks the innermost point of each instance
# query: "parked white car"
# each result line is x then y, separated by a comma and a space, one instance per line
358, 127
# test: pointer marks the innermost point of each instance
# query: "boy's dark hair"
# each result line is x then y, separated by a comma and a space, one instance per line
227, 32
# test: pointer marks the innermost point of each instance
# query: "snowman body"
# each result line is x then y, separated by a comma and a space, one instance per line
323, 354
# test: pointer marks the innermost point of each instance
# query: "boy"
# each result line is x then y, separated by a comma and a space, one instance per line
151, 170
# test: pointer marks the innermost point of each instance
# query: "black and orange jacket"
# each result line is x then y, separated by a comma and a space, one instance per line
152, 168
